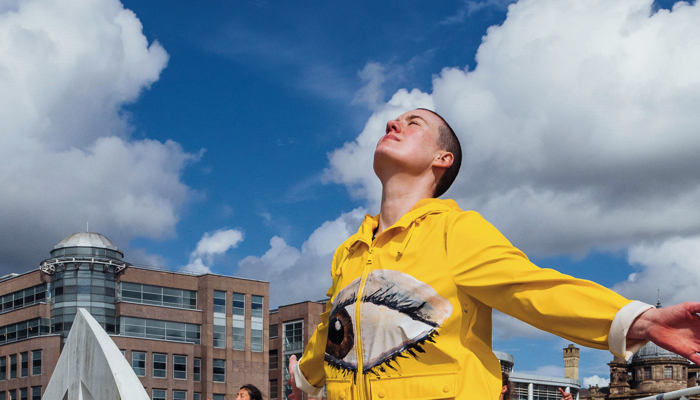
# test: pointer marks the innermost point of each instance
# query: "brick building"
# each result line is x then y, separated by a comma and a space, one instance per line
291, 327
186, 336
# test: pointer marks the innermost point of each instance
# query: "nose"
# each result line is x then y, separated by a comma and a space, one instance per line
393, 126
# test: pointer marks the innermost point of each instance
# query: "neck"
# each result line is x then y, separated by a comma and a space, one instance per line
399, 195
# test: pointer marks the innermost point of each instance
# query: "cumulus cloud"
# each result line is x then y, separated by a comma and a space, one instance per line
672, 266
595, 380
578, 125
210, 246
66, 156
301, 274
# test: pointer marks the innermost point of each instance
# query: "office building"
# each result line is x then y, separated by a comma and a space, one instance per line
186, 336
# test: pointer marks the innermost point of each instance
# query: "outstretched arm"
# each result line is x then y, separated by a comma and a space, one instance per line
674, 328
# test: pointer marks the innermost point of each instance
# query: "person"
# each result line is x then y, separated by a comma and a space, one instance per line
248, 392
506, 389
412, 292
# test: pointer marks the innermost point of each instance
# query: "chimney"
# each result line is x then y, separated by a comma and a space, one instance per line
571, 357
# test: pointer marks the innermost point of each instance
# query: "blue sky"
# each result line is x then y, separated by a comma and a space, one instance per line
234, 137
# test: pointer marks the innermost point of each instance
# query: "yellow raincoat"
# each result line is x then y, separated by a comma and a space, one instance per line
409, 315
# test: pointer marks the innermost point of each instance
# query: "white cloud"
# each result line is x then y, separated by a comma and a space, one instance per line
578, 126
299, 275
372, 93
66, 156
672, 266
210, 246
595, 380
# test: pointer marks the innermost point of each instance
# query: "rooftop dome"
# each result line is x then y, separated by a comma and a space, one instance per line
86, 239
651, 351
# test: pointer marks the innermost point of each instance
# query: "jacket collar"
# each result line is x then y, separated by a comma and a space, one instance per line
419, 210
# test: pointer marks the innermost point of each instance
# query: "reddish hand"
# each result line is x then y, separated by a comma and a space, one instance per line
675, 328
564, 395
296, 392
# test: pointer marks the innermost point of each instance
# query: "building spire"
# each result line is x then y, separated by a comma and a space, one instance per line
658, 298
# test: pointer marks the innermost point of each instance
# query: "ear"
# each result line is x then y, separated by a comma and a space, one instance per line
444, 159
504, 389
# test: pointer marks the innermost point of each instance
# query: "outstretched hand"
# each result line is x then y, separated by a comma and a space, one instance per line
674, 328
564, 395
296, 392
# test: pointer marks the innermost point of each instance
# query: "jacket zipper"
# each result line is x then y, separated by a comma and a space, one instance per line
358, 315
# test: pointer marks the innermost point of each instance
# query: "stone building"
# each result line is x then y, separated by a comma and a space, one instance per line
651, 371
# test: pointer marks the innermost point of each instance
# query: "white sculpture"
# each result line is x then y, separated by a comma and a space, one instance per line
91, 367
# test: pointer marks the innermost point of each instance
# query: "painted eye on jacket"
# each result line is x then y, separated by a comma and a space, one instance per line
398, 315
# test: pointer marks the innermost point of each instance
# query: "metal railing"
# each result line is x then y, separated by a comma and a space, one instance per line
678, 394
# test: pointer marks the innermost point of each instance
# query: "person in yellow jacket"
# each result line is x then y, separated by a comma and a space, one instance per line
409, 310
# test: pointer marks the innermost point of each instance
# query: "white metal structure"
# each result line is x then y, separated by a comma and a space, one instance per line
92, 367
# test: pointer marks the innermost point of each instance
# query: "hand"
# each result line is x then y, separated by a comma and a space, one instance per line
564, 395
296, 392
675, 328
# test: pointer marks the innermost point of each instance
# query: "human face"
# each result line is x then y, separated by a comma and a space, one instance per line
410, 141
243, 395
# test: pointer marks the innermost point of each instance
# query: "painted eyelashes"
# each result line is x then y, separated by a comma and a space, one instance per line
399, 313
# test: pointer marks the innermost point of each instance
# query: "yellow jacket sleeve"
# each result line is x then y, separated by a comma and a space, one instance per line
485, 266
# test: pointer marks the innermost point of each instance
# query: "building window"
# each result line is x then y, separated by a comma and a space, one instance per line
256, 323
220, 336
219, 397
274, 391
2, 395
179, 395
13, 394
23, 298
293, 336
24, 364
180, 367
13, 366
219, 301
668, 372
273, 331
158, 329
25, 329
196, 396
647, 373
197, 370
157, 295
238, 304
273, 359
138, 363
160, 362
238, 321
23, 394
219, 371
256, 306
36, 362
158, 394
36, 393
3, 368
